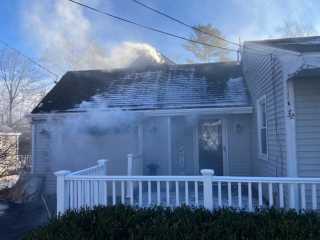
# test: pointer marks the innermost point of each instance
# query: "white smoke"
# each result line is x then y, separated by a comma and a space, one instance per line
65, 37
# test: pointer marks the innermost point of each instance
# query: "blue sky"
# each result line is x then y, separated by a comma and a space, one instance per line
30, 25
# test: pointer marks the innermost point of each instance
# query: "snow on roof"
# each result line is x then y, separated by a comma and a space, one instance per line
161, 87
299, 44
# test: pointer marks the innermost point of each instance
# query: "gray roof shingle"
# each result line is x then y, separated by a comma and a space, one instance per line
157, 87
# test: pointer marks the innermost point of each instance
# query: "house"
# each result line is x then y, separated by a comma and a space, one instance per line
9, 148
152, 111
258, 117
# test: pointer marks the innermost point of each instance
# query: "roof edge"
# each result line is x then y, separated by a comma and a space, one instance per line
161, 112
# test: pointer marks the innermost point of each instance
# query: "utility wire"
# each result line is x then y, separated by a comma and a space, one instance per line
30, 59
153, 29
194, 28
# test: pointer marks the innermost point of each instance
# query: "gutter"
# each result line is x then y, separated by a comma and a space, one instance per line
171, 112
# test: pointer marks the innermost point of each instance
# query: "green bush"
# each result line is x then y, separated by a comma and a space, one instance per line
185, 222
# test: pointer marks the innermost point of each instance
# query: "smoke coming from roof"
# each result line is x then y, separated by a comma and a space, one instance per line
65, 37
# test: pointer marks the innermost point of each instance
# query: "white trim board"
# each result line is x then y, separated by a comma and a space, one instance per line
9, 134
161, 112
263, 98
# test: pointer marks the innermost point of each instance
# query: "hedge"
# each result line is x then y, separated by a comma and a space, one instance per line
185, 222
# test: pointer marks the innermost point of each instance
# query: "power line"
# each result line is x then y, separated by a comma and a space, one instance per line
30, 59
194, 28
153, 29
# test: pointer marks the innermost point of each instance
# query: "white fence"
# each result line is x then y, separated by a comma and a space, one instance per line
91, 187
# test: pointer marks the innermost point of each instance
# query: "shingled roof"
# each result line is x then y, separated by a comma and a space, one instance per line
156, 87
299, 44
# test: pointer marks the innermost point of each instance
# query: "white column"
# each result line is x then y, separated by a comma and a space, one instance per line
33, 146
104, 163
62, 196
207, 188
140, 138
291, 144
169, 146
130, 169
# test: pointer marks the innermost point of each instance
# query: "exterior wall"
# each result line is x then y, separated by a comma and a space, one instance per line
308, 131
308, 126
155, 144
239, 160
58, 149
239, 145
258, 76
182, 132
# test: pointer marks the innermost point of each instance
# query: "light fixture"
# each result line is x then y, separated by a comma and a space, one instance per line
237, 127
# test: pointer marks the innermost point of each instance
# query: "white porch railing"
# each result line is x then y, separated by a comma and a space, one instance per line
135, 168
91, 187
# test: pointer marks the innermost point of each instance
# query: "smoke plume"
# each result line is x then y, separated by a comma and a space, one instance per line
64, 36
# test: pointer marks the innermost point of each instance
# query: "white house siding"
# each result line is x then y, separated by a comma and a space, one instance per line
42, 149
239, 145
258, 76
63, 150
308, 130
155, 144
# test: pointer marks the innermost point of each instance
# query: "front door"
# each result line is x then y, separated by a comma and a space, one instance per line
210, 145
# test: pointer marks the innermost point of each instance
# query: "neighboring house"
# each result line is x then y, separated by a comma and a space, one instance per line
257, 117
9, 148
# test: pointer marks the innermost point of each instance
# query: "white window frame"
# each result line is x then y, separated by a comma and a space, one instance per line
259, 125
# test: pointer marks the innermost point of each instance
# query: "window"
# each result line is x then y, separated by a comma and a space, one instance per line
262, 127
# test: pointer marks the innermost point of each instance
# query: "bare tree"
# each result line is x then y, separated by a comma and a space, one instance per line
8, 155
177, 58
294, 28
21, 84
74, 54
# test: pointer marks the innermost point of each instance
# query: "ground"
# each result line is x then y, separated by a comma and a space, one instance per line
17, 218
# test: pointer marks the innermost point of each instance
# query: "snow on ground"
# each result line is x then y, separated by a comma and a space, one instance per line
2, 208
8, 182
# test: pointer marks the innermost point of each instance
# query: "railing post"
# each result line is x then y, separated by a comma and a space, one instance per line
62, 191
207, 188
104, 163
129, 173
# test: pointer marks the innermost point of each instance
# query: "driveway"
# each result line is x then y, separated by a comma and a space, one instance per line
17, 218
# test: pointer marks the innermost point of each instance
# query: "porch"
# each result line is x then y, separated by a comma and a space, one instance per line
93, 186
185, 143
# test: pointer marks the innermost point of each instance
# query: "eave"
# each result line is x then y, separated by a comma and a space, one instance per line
149, 113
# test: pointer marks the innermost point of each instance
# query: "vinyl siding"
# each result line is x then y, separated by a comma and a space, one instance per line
308, 126
261, 81
258, 76
64, 151
239, 146
182, 135
155, 144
